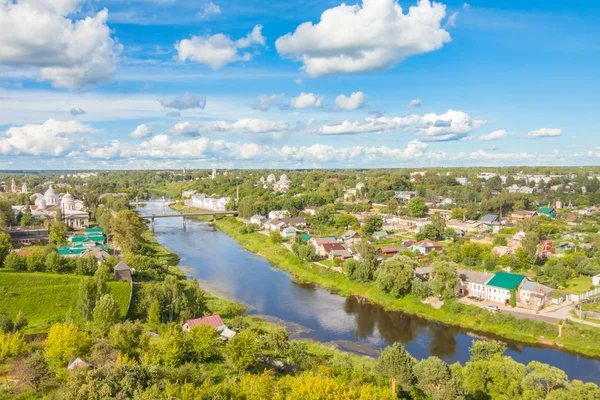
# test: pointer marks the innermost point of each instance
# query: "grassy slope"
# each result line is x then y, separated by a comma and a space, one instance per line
45, 298
586, 341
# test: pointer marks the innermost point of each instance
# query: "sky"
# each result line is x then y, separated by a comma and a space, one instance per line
154, 84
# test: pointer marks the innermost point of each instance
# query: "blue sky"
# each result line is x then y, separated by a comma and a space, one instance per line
168, 83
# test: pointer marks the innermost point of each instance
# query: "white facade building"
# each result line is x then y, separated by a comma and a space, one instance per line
210, 203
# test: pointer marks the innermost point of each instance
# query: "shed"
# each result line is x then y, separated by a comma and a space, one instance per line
80, 363
123, 272
212, 320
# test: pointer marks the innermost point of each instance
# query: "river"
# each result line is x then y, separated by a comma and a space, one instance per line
226, 269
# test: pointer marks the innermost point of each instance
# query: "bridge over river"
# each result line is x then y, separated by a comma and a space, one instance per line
185, 216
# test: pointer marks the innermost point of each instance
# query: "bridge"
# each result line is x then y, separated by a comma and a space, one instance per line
185, 216
164, 201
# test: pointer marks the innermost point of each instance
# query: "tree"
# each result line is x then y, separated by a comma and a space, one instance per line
542, 379
64, 343
27, 218
14, 262
35, 262
434, 378
106, 313
242, 349
513, 299
58, 233
393, 206
5, 246
34, 370
87, 298
154, 319
347, 221
372, 224
531, 242
457, 213
205, 342
101, 275
416, 207
129, 338
86, 265
439, 223
394, 362
277, 341
307, 252
127, 228
367, 262
445, 279
53, 263
500, 241
275, 237
395, 275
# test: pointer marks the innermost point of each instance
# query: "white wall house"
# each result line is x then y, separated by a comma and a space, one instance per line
210, 203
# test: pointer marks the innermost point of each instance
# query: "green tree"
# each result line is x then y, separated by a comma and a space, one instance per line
154, 316
86, 265
87, 298
530, 243
14, 262
205, 342
372, 224
35, 262
106, 313
58, 233
242, 350
101, 276
129, 338
128, 228
542, 379
65, 343
277, 341
367, 262
395, 275
394, 362
513, 298
27, 218
5, 246
416, 207
307, 252
457, 213
445, 279
500, 241
53, 263
346, 221
486, 349
435, 379
275, 237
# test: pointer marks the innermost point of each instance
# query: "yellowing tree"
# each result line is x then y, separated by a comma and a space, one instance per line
65, 342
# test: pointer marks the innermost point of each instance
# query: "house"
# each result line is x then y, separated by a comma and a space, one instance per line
334, 250
380, 235
516, 241
97, 252
424, 273
502, 251
311, 210
426, 246
447, 202
490, 219
186, 194
80, 363
408, 243
274, 225
535, 295
212, 320
501, 285
258, 220
461, 180
405, 195
289, 232
299, 222
521, 215
123, 272
473, 283
550, 212
76, 250
279, 214
318, 242
350, 237
209, 203
596, 280
305, 237
388, 251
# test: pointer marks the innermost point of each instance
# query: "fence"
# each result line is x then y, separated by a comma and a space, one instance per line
579, 297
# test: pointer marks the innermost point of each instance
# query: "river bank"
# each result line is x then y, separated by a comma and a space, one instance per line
572, 338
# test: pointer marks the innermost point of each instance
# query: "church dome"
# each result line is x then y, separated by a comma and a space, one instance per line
283, 177
68, 198
40, 203
50, 192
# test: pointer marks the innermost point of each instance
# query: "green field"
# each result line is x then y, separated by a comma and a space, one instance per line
579, 285
45, 298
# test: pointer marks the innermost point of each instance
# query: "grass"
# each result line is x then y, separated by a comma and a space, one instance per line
46, 298
452, 313
579, 285
160, 251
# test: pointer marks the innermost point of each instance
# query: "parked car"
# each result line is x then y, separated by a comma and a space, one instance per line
492, 308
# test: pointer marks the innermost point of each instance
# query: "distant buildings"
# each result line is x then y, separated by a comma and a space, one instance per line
210, 203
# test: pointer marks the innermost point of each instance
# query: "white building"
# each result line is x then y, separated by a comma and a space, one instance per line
210, 203
462, 180
279, 214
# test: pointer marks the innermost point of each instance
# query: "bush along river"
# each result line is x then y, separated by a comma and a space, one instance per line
226, 269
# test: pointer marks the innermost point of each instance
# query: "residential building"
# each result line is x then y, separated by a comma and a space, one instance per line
426, 246
534, 295
311, 210
462, 180
209, 203
319, 242
380, 235
473, 283
499, 288
186, 194
548, 211
388, 251
258, 220
334, 250
521, 215
405, 195
490, 219
279, 214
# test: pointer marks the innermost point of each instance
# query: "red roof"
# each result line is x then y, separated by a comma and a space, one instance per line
428, 244
211, 320
332, 246
322, 241
388, 249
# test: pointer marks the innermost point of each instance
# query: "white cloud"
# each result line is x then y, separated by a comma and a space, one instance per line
466, 6
209, 9
381, 37
52, 138
495, 135
354, 102
184, 102
307, 100
414, 103
77, 111
452, 125
141, 131
240, 127
544, 132
218, 50
264, 101
69, 53
451, 21
298, 81
111, 151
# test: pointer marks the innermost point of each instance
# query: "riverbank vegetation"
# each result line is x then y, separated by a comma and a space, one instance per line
582, 340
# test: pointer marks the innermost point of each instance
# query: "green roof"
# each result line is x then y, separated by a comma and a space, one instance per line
93, 230
66, 250
380, 233
306, 237
506, 280
547, 211
86, 238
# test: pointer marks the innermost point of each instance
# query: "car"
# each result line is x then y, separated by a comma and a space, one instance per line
492, 308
